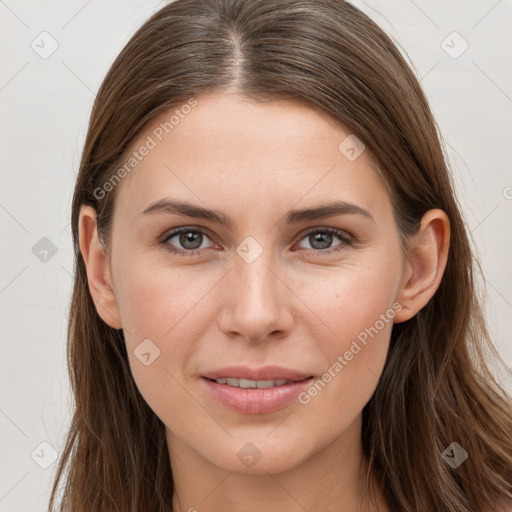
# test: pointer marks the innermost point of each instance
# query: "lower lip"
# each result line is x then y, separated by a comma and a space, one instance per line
256, 401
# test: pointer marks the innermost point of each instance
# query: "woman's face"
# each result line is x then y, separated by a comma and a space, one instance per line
271, 280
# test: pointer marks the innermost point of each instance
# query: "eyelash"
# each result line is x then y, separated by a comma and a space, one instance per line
347, 240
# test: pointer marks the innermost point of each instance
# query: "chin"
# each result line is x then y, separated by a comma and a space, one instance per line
259, 455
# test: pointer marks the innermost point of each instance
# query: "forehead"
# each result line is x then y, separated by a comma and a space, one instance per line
225, 148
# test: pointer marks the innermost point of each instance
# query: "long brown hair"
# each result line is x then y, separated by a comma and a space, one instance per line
436, 387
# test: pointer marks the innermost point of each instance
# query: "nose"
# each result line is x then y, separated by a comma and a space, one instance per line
257, 301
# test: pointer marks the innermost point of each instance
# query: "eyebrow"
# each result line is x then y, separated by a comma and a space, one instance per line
331, 209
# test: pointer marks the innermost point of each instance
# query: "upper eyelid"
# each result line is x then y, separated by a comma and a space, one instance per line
176, 231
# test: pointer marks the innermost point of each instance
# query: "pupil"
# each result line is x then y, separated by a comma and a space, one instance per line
324, 238
190, 237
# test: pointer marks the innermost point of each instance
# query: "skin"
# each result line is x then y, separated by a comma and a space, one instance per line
292, 306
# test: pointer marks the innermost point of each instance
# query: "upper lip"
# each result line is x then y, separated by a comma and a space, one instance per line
263, 373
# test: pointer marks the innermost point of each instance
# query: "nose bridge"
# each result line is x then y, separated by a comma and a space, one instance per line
256, 304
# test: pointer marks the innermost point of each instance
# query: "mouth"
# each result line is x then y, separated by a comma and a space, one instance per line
265, 373
255, 391
256, 384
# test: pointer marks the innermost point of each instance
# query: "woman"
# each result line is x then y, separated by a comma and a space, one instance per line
217, 362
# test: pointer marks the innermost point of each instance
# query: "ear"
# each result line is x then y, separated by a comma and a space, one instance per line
425, 264
99, 274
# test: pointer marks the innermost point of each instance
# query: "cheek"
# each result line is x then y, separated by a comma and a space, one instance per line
352, 298
355, 357
158, 302
357, 306
164, 313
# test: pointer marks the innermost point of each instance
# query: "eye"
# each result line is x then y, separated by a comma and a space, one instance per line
321, 239
191, 241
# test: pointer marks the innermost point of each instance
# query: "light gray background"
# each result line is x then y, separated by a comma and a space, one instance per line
45, 108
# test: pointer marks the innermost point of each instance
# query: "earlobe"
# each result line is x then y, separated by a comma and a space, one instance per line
426, 260
98, 268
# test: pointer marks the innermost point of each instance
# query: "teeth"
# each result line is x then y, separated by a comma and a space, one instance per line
252, 384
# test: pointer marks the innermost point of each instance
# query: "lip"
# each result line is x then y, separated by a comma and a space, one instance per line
256, 400
264, 373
